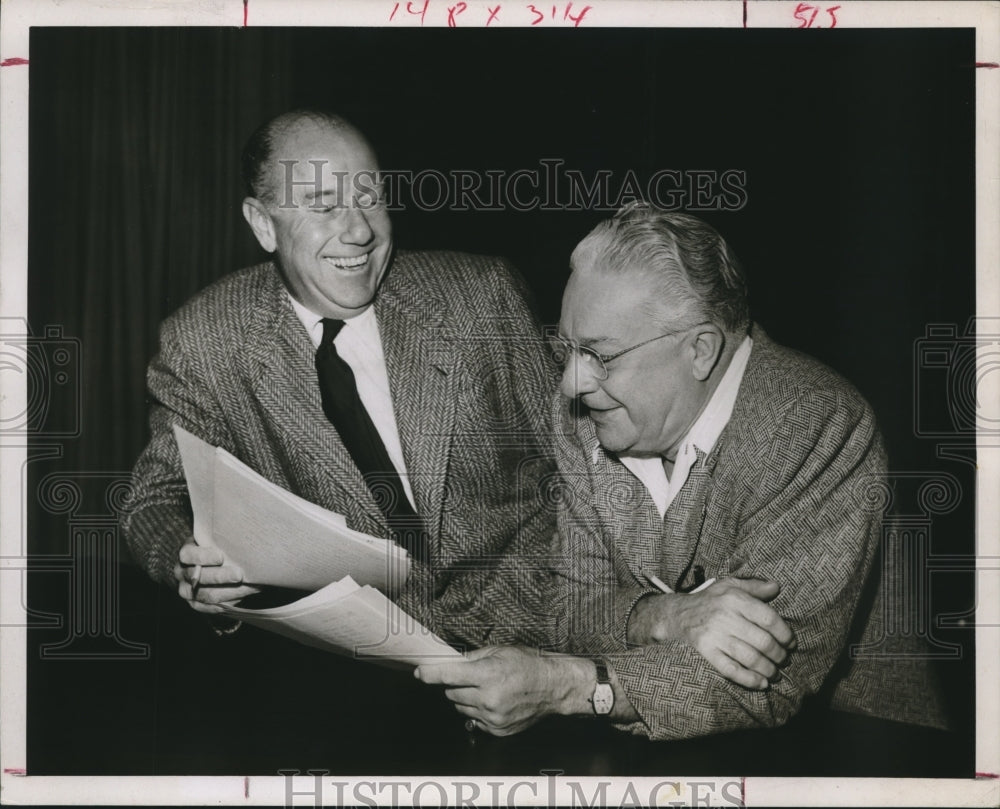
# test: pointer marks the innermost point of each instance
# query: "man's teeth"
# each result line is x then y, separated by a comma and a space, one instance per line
348, 263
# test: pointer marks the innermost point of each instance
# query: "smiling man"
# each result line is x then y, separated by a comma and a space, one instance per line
703, 466
406, 391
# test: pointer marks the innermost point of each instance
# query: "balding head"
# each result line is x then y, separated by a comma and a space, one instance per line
263, 148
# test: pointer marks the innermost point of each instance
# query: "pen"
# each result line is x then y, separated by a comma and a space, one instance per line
195, 579
663, 588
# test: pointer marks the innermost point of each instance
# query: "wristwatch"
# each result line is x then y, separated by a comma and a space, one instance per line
604, 695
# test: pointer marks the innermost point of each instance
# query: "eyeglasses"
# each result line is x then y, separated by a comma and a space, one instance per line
564, 349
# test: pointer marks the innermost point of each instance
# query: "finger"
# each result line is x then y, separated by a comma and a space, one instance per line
213, 597
215, 576
767, 619
223, 595
451, 674
763, 642
750, 658
468, 697
764, 589
191, 554
208, 609
473, 713
735, 672
480, 723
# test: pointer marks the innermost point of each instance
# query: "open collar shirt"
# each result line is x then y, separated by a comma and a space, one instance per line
703, 435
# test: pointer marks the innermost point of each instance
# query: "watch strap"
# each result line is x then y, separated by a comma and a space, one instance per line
603, 699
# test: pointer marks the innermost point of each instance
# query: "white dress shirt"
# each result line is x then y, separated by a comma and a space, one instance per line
360, 346
704, 434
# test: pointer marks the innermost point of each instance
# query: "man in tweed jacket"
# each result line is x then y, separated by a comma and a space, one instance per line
693, 448
468, 375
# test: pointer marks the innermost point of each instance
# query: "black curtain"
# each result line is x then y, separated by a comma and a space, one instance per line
134, 206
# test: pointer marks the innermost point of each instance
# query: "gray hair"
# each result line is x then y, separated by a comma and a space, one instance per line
696, 271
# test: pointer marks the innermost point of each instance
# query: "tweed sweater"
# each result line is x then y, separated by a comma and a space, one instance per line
784, 495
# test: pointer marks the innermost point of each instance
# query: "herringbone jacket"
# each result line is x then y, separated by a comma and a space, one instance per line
786, 494
470, 379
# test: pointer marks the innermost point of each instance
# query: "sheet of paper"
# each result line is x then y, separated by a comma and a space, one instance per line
276, 537
353, 621
198, 460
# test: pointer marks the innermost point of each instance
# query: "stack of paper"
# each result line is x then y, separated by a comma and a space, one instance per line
355, 622
276, 537
280, 539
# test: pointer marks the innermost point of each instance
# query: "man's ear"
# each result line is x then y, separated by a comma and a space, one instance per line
260, 223
709, 342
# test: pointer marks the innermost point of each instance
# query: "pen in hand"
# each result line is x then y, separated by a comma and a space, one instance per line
195, 580
663, 588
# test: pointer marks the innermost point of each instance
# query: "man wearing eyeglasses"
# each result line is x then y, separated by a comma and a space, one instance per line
705, 467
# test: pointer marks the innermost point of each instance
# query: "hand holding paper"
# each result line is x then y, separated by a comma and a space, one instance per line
249, 531
206, 579
276, 537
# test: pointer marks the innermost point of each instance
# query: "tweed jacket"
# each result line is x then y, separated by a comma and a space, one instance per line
470, 381
786, 494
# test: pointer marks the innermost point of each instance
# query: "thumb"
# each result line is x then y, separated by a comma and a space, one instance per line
764, 589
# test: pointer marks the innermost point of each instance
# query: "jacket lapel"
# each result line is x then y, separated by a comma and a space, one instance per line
283, 375
422, 360
685, 518
630, 523
683, 527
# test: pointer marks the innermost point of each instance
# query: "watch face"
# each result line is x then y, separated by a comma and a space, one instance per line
604, 699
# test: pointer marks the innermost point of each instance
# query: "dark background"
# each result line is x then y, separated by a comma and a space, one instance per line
858, 234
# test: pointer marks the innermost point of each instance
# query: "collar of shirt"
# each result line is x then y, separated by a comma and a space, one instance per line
364, 327
703, 434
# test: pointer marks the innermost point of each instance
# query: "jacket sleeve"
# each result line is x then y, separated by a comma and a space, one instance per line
593, 591
499, 592
806, 525
157, 519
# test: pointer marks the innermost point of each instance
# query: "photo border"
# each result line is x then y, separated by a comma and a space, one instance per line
18, 16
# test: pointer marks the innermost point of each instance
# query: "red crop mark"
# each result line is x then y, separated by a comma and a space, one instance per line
987, 775
743, 791
16, 60
991, 66
744, 13
454, 11
246, 9
246, 787
14, 771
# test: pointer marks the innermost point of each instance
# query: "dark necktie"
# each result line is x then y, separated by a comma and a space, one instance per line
344, 409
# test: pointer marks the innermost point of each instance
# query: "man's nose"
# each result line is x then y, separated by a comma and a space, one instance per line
576, 378
356, 228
